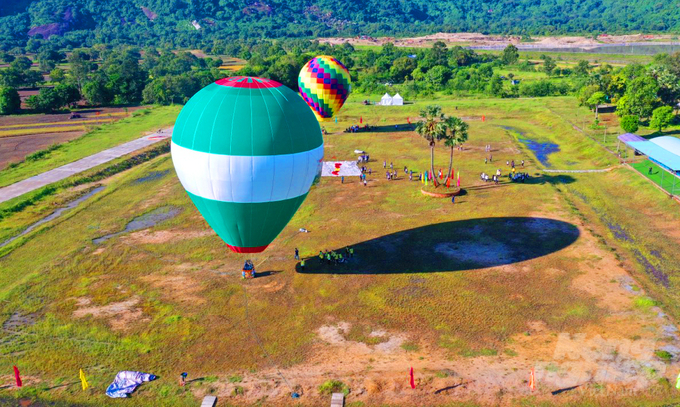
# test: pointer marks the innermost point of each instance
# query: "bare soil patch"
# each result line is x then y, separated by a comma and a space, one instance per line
478, 39
119, 315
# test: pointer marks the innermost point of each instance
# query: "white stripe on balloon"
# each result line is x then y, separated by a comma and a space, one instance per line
246, 179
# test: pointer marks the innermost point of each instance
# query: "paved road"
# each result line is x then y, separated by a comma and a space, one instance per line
65, 171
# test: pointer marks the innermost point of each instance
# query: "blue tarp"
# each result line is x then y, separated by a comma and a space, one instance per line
657, 153
126, 382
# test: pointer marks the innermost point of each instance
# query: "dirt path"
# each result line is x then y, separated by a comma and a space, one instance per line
65, 171
500, 41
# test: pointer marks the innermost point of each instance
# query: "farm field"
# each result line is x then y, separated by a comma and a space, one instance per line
97, 139
552, 274
22, 135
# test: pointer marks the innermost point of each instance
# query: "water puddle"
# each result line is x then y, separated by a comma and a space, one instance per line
540, 149
145, 221
154, 175
53, 215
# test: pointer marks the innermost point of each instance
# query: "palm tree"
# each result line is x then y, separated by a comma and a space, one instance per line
457, 134
432, 127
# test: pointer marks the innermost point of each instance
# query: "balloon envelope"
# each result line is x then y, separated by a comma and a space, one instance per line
247, 150
324, 84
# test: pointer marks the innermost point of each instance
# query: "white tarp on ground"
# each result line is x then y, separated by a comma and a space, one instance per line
126, 382
386, 100
397, 100
340, 169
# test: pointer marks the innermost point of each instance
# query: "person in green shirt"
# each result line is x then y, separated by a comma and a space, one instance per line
302, 265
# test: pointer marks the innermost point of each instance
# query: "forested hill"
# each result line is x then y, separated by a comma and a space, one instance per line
182, 23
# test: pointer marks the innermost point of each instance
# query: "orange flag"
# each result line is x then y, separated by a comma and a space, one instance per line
448, 182
532, 380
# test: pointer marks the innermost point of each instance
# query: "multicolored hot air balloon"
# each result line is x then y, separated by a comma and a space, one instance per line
324, 84
247, 150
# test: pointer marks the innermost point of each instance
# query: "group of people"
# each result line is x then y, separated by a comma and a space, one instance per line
363, 158
333, 257
518, 177
356, 128
494, 178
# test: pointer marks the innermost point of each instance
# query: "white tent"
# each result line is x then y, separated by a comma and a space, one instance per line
397, 100
386, 100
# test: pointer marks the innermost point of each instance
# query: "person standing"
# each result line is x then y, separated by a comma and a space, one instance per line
453, 199
391, 165
522, 163
302, 265
364, 181
342, 179
370, 171
297, 254
385, 164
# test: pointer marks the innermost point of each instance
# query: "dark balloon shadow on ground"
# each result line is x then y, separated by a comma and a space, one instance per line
392, 129
453, 246
259, 274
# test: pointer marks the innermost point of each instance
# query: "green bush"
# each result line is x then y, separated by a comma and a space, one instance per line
333, 386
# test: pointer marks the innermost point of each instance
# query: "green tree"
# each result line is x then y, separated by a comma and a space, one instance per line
549, 64
595, 100
48, 59
22, 63
96, 93
9, 100
432, 127
661, 117
80, 67
57, 75
47, 100
495, 86
67, 93
402, 68
6, 58
510, 55
582, 68
630, 123
437, 76
457, 134
640, 98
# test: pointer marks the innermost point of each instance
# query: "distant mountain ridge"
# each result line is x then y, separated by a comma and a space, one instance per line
169, 22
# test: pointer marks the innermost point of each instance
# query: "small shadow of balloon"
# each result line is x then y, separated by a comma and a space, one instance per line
259, 274
453, 246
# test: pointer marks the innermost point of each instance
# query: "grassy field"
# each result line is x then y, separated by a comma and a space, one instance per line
476, 292
104, 137
659, 176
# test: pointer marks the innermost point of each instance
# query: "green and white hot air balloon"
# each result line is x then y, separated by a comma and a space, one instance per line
247, 150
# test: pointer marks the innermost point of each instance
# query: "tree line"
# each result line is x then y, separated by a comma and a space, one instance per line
84, 23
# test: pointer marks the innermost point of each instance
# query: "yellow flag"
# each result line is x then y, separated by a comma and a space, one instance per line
83, 381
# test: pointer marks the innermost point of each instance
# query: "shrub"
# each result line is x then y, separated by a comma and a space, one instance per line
333, 386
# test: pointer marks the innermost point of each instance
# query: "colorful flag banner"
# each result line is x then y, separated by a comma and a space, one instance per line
412, 381
532, 380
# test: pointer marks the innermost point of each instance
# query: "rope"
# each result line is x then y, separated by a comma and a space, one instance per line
257, 339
